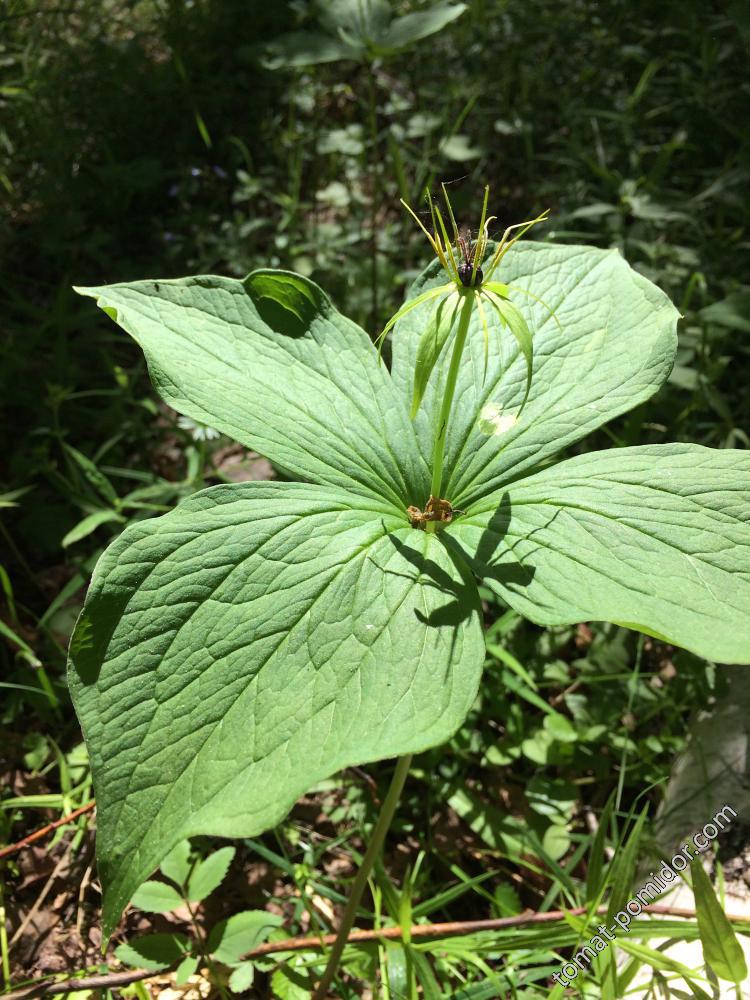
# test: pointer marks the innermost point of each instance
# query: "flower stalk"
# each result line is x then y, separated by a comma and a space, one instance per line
438, 452
469, 285
358, 887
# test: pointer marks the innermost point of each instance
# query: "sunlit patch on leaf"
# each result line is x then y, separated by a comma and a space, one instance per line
493, 422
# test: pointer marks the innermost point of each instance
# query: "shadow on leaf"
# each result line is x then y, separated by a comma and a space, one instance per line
489, 544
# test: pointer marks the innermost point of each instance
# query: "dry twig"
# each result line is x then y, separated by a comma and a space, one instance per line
113, 980
45, 830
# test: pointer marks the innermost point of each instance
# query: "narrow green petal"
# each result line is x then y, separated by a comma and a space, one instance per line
407, 308
434, 338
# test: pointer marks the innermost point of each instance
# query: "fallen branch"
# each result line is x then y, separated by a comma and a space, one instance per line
45, 830
112, 980
460, 927
104, 982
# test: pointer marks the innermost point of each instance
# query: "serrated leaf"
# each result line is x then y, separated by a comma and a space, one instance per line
251, 642
654, 538
721, 949
242, 977
270, 362
185, 969
153, 951
230, 939
157, 897
209, 873
614, 347
176, 865
293, 981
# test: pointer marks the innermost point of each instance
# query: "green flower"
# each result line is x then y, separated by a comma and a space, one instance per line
469, 276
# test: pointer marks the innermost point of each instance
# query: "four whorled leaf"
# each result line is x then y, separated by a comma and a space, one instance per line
251, 642
262, 636
357, 30
656, 538
611, 348
271, 362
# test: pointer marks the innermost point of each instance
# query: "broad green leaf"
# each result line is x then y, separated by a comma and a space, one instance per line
209, 873
512, 317
654, 538
721, 949
250, 643
153, 951
411, 28
613, 348
230, 939
157, 897
307, 48
270, 362
354, 20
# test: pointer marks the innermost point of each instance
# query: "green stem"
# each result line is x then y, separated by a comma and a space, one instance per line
445, 410
4, 935
373, 849
202, 940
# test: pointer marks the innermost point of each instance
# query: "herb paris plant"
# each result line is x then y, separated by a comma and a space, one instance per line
262, 636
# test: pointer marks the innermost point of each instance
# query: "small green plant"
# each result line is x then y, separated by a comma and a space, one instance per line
359, 30
190, 881
262, 636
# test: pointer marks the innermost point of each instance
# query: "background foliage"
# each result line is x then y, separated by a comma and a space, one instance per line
166, 137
